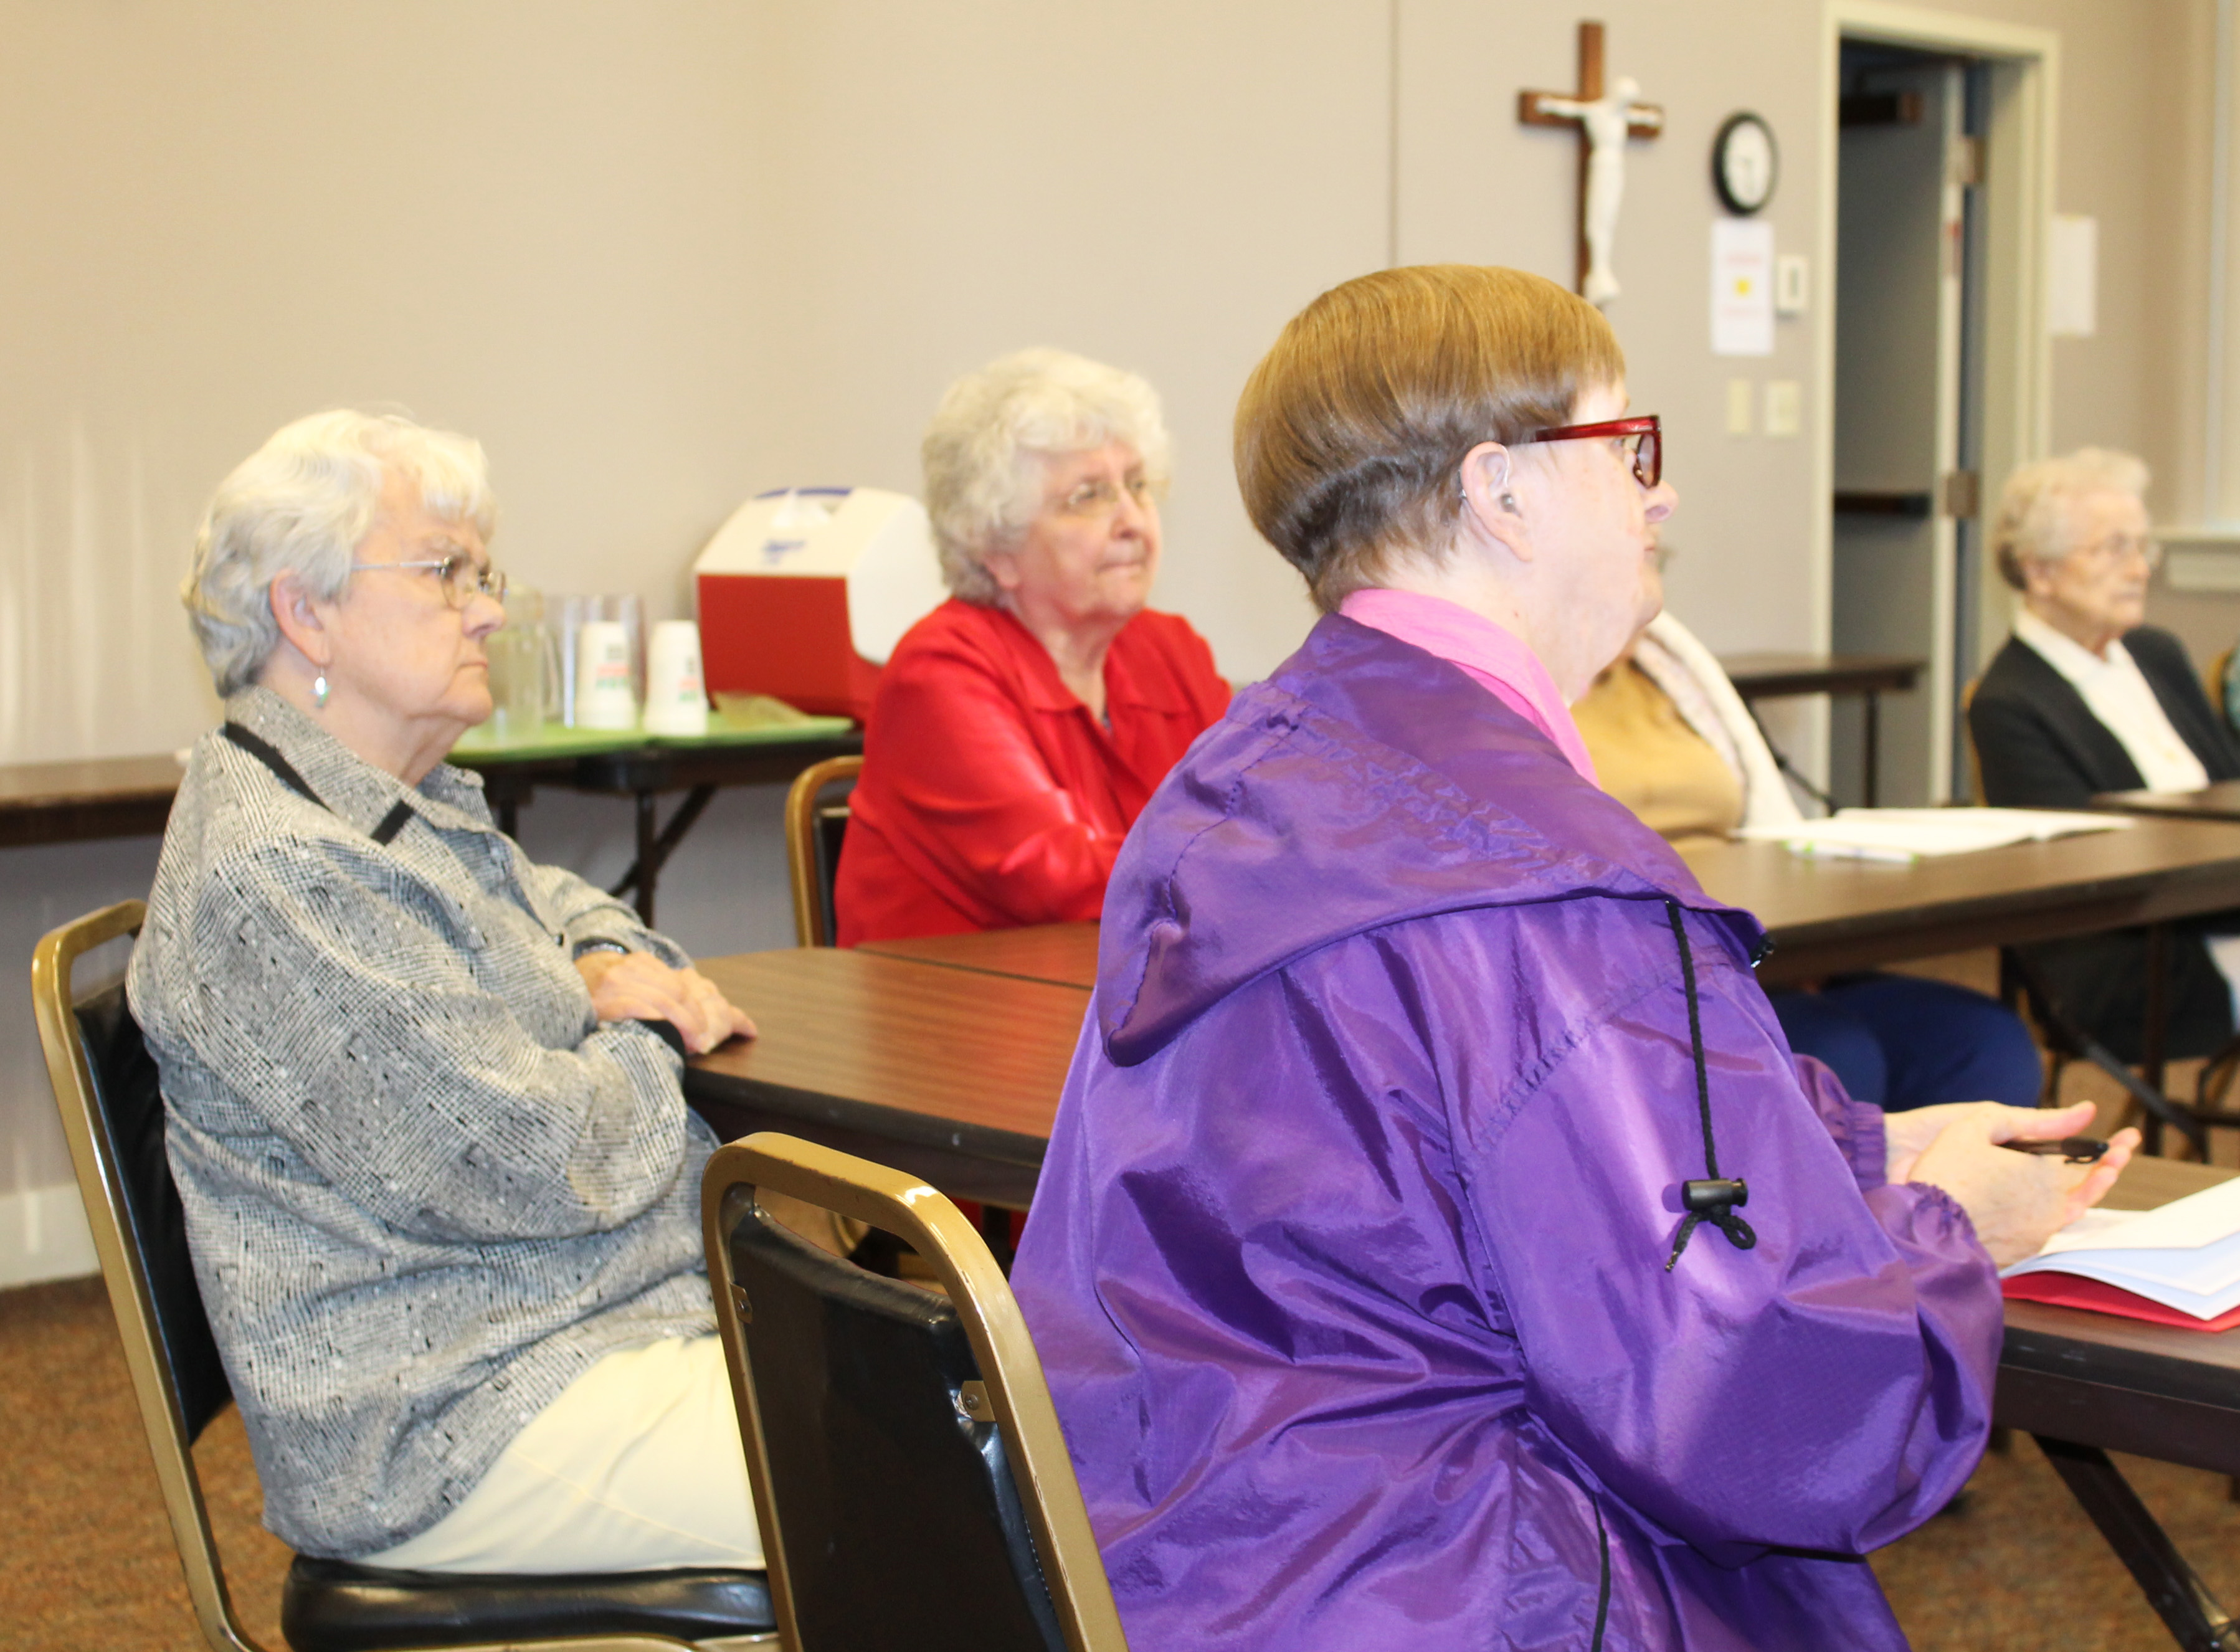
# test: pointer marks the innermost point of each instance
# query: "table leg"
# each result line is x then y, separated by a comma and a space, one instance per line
647, 873
2191, 1614
653, 851
505, 794
1872, 744
2152, 1035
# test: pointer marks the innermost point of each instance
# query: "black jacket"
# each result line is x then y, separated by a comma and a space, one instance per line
2039, 746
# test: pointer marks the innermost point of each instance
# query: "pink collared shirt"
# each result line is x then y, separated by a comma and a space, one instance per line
1493, 657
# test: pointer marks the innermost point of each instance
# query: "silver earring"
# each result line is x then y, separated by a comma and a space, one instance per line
320, 690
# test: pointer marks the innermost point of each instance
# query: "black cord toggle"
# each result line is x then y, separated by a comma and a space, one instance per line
1709, 1198
1712, 1199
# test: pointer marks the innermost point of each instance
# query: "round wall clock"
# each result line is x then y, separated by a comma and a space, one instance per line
1744, 163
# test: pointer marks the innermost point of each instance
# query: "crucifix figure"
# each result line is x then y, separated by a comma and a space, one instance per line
1604, 122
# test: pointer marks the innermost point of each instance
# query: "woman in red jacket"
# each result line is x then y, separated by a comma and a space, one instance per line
1020, 728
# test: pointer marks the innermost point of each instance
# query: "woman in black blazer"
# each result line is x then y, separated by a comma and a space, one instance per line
2085, 699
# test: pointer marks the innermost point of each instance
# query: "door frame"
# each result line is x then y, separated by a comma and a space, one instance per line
2024, 65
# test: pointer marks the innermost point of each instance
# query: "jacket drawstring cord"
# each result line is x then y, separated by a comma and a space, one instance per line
1713, 1200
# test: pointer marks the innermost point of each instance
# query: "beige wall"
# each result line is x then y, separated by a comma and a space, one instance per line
1478, 187
2134, 152
660, 254
658, 257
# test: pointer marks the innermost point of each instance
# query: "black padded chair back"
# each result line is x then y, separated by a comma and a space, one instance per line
874, 1465
131, 1107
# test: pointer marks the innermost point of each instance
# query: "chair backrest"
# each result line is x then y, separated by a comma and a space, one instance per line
2217, 679
910, 1476
112, 1112
814, 831
1968, 733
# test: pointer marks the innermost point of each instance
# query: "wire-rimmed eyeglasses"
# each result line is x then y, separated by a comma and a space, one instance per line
2121, 548
460, 576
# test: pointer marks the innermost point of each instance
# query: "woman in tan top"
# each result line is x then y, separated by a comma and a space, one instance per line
1672, 741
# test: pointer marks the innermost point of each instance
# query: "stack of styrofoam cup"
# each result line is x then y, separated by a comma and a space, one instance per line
604, 699
676, 696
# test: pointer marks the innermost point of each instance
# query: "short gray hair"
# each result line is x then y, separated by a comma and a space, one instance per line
303, 501
983, 478
2033, 521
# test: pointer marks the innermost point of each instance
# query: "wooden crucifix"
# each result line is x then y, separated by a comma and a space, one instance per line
1604, 122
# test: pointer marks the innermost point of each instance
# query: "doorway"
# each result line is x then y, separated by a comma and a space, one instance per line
1938, 201
1909, 377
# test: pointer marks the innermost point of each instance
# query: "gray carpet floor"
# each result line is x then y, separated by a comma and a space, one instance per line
89, 1562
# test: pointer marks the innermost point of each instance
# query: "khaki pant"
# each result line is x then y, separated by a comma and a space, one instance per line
636, 1467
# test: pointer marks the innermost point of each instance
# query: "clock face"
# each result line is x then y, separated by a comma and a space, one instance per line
1743, 163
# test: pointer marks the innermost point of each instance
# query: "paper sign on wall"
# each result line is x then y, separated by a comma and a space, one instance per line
1742, 287
2072, 296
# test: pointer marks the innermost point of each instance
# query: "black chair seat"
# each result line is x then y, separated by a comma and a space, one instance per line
332, 1606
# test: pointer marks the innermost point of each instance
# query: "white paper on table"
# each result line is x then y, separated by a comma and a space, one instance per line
1742, 287
1909, 834
2185, 1255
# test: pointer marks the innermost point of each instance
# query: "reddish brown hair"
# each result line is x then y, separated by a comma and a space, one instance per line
1351, 432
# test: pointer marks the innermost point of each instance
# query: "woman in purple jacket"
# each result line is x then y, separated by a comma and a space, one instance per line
1439, 1246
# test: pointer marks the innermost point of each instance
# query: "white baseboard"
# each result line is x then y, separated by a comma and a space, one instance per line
43, 1235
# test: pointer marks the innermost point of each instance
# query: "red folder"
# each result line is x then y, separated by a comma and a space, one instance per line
2068, 1290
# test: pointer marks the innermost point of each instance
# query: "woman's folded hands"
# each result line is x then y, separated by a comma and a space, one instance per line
636, 986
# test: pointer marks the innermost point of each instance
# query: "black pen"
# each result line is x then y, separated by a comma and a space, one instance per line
2078, 1150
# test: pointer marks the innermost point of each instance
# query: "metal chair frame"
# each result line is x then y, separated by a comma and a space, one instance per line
1012, 1373
812, 879
101, 1185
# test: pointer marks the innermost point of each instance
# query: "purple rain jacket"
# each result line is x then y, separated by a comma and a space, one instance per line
1347, 1260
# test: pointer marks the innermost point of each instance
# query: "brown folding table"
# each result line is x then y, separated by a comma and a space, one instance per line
67, 802
1828, 917
2219, 802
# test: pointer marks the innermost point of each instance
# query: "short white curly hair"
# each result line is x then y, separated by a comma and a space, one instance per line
983, 451
2033, 524
302, 503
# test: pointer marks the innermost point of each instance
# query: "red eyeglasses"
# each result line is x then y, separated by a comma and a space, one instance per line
1643, 440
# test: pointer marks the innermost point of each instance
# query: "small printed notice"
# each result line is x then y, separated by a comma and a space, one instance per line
2073, 288
1742, 287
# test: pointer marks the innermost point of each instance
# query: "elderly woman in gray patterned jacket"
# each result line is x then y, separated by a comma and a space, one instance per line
423, 1102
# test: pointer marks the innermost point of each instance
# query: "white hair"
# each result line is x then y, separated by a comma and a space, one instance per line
2033, 524
983, 451
302, 503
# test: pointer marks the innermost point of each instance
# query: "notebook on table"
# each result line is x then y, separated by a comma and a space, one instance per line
2177, 1264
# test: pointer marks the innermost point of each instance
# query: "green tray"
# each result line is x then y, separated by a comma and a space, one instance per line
558, 739
724, 730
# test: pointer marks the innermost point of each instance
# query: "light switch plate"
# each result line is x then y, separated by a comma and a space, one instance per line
1784, 407
1740, 394
1792, 284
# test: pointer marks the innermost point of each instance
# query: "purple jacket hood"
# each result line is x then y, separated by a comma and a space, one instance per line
1374, 731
